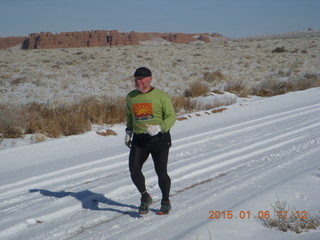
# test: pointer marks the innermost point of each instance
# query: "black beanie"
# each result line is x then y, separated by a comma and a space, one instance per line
142, 72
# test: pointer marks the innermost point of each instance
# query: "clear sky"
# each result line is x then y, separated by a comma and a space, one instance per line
231, 18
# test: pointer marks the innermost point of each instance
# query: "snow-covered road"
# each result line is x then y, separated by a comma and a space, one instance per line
79, 187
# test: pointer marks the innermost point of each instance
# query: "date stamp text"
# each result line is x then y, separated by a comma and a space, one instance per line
263, 214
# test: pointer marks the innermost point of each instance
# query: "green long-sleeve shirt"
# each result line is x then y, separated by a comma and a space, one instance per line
154, 108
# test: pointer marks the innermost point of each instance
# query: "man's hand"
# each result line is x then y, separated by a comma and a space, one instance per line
153, 130
127, 139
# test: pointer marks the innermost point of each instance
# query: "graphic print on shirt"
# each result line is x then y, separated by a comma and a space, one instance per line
143, 111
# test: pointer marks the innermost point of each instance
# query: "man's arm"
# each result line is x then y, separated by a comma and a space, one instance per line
129, 115
168, 113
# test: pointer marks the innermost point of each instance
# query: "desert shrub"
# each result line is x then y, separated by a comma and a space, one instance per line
18, 80
12, 122
287, 218
182, 104
63, 120
56, 122
272, 87
284, 73
196, 89
213, 77
279, 50
308, 80
215, 104
104, 111
4, 77
240, 88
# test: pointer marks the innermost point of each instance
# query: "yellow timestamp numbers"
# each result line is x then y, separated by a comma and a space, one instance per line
250, 215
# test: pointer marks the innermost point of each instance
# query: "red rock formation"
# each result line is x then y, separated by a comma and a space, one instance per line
179, 37
204, 37
45, 40
71, 39
79, 39
8, 42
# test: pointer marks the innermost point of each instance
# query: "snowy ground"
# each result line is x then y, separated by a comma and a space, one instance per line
60, 76
242, 159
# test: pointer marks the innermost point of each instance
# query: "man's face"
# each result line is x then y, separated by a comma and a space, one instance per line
143, 83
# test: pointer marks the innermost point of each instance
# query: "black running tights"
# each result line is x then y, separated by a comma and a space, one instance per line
138, 157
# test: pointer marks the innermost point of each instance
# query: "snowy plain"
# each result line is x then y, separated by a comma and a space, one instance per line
67, 75
242, 159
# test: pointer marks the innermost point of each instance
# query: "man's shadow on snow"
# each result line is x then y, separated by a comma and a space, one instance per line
90, 200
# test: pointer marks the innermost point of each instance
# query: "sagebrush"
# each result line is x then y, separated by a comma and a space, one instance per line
62, 120
287, 218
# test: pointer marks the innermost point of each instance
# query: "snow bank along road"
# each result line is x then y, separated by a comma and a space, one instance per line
79, 187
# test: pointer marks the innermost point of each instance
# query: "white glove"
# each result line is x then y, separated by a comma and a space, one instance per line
127, 139
153, 130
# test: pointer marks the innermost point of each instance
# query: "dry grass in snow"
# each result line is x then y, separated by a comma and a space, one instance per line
37, 86
287, 218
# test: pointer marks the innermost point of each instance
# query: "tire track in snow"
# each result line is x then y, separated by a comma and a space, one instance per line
242, 127
86, 169
214, 159
275, 150
191, 166
66, 171
239, 142
99, 169
221, 160
96, 170
238, 176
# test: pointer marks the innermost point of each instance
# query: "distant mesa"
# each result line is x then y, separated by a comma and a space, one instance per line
99, 38
8, 42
